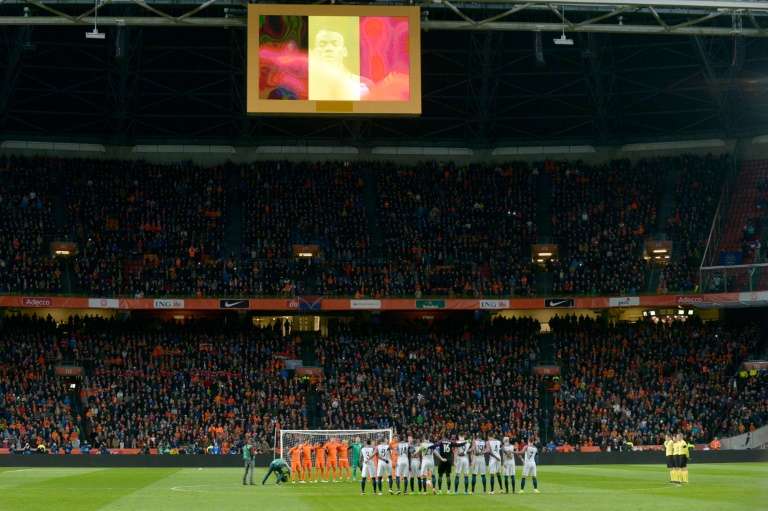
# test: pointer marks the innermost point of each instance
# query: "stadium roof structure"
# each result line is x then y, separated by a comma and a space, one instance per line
173, 70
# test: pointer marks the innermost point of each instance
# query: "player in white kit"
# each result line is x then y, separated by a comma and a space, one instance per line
478, 462
462, 465
385, 465
529, 465
366, 457
494, 461
413, 453
508, 455
403, 468
427, 469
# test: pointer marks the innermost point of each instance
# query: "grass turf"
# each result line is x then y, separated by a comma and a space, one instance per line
719, 487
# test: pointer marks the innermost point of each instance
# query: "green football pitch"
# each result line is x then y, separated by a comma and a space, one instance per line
721, 487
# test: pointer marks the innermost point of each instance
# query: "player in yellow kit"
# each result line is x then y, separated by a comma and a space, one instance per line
669, 449
686, 458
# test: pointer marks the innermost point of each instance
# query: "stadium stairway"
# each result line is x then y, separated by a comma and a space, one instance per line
233, 228
544, 207
62, 229
371, 201
544, 279
546, 397
309, 359
665, 209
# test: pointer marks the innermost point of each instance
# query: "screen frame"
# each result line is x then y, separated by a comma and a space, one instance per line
255, 105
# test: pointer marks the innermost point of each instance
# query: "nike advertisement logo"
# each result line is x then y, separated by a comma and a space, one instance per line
559, 302
233, 304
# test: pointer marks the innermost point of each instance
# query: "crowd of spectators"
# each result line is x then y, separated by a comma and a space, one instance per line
750, 410
35, 406
460, 230
188, 386
633, 382
432, 229
305, 204
200, 386
697, 192
147, 229
601, 215
27, 225
165, 385
433, 381
753, 244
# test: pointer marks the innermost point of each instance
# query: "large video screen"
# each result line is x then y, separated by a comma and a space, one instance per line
333, 59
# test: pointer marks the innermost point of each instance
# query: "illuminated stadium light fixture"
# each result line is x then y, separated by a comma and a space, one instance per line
674, 146
563, 40
680, 312
306, 251
184, 149
657, 250
52, 146
548, 150
652, 313
690, 312
301, 149
423, 151
63, 248
543, 252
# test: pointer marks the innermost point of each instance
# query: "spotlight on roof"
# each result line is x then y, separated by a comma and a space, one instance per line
95, 34
563, 40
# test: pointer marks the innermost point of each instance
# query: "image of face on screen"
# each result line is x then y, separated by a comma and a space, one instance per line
334, 61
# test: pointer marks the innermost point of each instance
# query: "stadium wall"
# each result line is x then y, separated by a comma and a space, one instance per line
600, 458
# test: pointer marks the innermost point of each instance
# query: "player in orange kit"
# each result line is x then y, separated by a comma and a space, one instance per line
306, 462
319, 462
344, 460
393, 449
295, 454
332, 466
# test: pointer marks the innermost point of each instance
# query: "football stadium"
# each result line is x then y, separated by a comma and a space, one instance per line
384, 255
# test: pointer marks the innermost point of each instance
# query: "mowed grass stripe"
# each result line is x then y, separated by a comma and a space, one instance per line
160, 492
87, 491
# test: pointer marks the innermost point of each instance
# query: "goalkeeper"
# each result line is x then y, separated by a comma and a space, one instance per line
281, 470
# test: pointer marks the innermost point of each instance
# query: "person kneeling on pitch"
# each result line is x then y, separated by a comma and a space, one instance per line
280, 469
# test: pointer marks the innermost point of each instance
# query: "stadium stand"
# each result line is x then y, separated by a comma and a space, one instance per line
186, 387
452, 227
35, 408
382, 230
629, 382
145, 228
28, 226
480, 379
696, 195
749, 410
601, 216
